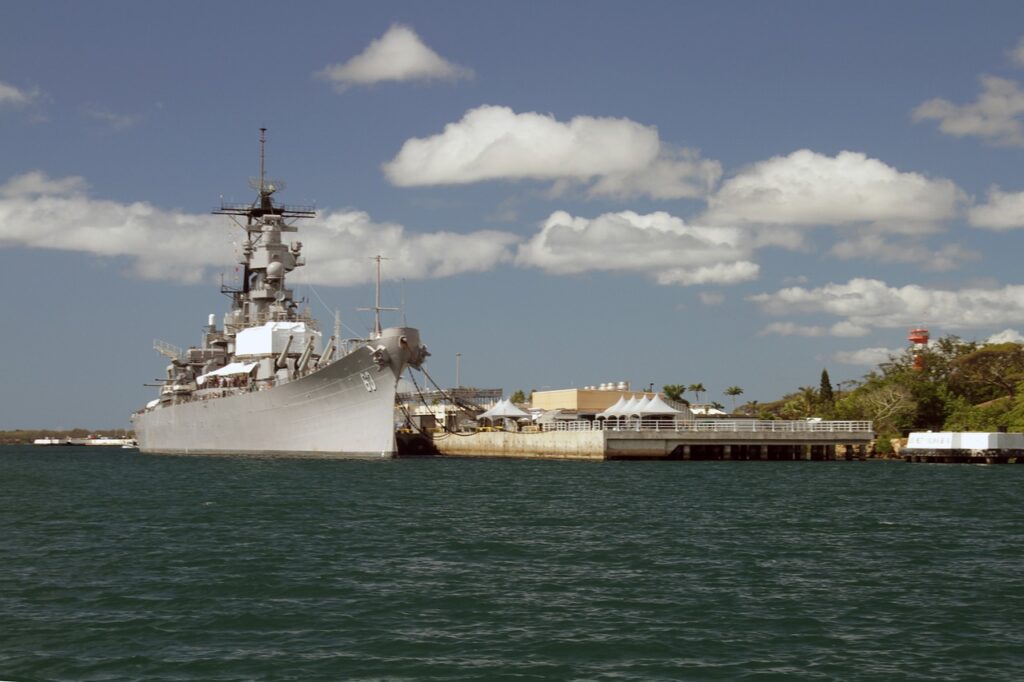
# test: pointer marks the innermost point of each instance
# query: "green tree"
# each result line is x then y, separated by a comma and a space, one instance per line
825, 394
733, 392
518, 397
697, 389
674, 391
992, 371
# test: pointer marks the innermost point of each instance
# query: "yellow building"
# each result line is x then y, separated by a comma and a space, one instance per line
582, 399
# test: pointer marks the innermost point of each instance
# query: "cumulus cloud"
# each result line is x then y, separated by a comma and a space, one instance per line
807, 189
871, 303
849, 329
398, 55
496, 143
1006, 336
1017, 53
675, 174
994, 117
413, 256
172, 245
792, 329
1003, 211
876, 247
869, 357
16, 97
657, 244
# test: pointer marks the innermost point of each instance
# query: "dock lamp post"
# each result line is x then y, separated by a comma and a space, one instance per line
458, 362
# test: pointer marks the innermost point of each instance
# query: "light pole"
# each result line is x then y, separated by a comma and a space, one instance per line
458, 361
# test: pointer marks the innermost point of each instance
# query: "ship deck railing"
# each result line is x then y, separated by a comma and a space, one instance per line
711, 425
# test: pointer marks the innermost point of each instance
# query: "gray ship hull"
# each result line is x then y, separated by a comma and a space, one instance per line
345, 409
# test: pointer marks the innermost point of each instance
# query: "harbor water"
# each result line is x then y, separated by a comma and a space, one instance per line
121, 566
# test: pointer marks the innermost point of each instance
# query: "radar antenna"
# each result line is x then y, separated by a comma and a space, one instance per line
377, 307
264, 204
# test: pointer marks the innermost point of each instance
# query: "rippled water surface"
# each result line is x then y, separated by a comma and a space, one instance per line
121, 566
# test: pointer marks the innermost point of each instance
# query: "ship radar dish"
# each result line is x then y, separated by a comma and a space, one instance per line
268, 186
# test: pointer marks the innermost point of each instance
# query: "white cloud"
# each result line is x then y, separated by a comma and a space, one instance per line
398, 55
711, 297
114, 121
492, 142
806, 189
37, 183
842, 328
995, 116
35, 210
673, 175
496, 143
870, 303
1003, 211
1017, 53
12, 96
719, 273
876, 247
657, 244
792, 329
1006, 336
866, 356
413, 256
848, 329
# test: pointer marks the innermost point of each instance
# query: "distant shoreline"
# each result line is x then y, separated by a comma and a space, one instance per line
26, 436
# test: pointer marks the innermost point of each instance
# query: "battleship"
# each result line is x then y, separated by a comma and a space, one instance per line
264, 383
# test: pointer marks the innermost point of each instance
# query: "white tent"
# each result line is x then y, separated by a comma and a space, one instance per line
629, 407
504, 409
640, 409
613, 411
657, 406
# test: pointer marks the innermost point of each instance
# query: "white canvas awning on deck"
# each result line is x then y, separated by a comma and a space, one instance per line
232, 369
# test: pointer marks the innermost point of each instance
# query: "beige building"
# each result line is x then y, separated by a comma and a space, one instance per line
582, 399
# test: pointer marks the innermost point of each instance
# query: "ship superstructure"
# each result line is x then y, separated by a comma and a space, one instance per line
265, 382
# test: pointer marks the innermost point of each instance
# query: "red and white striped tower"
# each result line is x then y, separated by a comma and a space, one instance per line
918, 338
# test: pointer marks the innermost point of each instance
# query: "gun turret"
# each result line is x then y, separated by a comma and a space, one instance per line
282, 359
328, 354
300, 367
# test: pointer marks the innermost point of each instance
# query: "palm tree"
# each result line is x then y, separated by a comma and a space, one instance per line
697, 389
733, 392
674, 391
809, 398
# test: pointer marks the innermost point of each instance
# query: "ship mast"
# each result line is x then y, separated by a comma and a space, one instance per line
377, 329
265, 258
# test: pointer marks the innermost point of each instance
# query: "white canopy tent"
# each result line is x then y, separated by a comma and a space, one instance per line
503, 409
639, 410
629, 407
613, 411
657, 406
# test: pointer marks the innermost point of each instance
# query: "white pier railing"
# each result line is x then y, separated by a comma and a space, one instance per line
712, 425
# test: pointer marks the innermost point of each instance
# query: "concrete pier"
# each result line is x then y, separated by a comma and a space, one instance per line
740, 444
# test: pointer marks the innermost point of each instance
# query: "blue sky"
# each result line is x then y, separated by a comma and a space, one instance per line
661, 192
